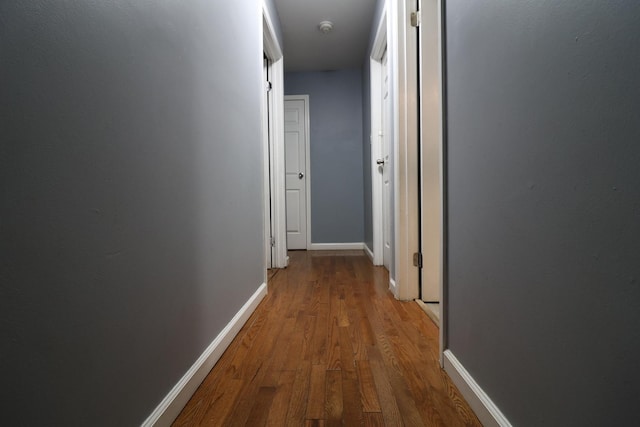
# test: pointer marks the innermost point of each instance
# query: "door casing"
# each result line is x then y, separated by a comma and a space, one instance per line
431, 152
400, 39
273, 191
375, 66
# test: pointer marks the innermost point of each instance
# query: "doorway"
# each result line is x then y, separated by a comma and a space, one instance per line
384, 162
380, 140
273, 148
431, 178
296, 142
431, 161
266, 113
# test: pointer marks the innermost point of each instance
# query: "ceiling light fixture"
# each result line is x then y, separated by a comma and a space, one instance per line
325, 27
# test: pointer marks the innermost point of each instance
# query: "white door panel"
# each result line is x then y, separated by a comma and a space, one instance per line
431, 152
294, 223
386, 167
295, 122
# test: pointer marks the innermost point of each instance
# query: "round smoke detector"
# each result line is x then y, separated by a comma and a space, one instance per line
325, 27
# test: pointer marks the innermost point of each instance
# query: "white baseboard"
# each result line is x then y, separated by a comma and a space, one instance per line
335, 246
393, 287
368, 251
486, 411
170, 407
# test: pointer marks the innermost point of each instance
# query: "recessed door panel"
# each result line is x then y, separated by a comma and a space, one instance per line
296, 173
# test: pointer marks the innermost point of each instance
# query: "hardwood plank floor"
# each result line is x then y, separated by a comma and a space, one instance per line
329, 345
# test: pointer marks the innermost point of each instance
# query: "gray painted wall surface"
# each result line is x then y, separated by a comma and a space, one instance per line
130, 199
544, 199
273, 13
377, 14
335, 110
366, 153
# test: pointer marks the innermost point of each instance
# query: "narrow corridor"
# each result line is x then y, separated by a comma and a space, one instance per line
330, 345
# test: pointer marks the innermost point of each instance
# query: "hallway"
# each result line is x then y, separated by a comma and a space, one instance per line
329, 345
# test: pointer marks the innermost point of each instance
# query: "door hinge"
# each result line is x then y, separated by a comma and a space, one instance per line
273, 242
415, 19
417, 259
269, 86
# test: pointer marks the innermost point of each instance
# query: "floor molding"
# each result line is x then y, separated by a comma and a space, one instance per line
432, 310
335, 246
486, 411
172, 404
368, 251
393, 287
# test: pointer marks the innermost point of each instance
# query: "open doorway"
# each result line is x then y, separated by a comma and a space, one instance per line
275, 242
432, 183
415, 56
297, 171
380, 140
431, 159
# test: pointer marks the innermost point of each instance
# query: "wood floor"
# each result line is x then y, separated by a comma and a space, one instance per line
329, 345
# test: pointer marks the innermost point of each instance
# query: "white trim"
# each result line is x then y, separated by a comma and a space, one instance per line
443, 296
278, 197
393, 287
170, 407
307, 160
266, 191
273, 50
431, 151
406, 170
377, 214
336, 246
484, 408
377, 51
368, 251
270, 42
380, 41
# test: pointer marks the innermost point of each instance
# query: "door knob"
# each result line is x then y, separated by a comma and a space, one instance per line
380, 161
300, 175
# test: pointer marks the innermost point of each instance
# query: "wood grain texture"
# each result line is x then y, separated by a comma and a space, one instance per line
329, 345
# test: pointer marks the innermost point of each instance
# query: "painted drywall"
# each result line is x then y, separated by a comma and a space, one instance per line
130, 203
335, 114
366, 154
377, 15
544, 206
275, 18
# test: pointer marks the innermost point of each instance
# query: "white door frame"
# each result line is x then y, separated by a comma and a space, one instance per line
431, 164
405, 119
274, 187
432, 161
401, 42
307, 162
267, 219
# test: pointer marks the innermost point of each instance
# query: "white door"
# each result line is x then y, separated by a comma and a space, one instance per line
266, 102
431, 178
384, 165
296, 143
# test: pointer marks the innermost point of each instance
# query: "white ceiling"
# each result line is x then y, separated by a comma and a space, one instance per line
307, 49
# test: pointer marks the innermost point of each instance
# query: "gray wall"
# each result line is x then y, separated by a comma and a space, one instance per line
544, 199
275, 18
335, 114
366, 153
130, 199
